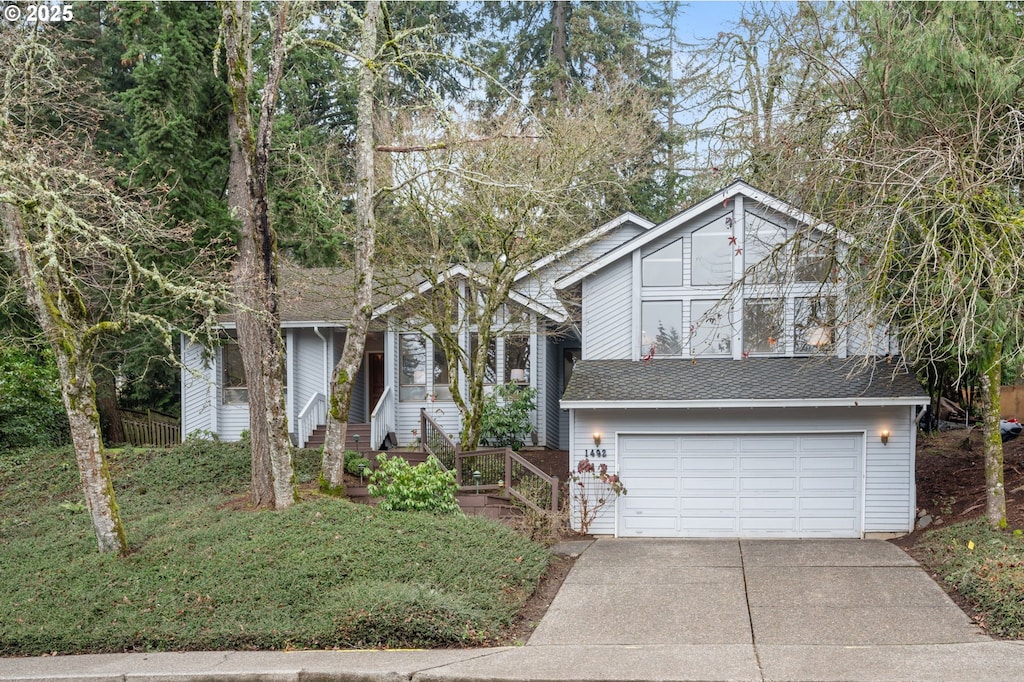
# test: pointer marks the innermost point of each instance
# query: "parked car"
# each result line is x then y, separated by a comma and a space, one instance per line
1009, 429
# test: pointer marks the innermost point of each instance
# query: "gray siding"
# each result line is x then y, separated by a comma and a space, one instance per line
308, 378
551, 352
198, 390
608, 312
889, 498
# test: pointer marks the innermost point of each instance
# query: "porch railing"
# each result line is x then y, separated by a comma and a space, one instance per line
498, 470
380, 424
313, 414
150, 428
436, 442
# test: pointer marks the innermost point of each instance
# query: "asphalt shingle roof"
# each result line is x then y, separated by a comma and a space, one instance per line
680, 379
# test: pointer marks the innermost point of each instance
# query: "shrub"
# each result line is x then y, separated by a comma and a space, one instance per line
31, 407
425, 487
506, 417
591, 489
353, 462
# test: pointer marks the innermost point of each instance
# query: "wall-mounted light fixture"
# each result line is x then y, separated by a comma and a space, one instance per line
597, 439
885, 436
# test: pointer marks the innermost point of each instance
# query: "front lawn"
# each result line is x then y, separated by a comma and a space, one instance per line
205, 575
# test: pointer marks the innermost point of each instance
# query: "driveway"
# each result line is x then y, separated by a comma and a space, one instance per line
845, 593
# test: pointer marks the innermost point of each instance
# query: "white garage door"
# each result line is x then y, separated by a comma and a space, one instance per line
771, 485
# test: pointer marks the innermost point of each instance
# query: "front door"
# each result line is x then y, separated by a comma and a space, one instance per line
375, 379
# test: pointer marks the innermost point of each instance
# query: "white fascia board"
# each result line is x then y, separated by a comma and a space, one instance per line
304, 324
697, 404
425, 286
737, 187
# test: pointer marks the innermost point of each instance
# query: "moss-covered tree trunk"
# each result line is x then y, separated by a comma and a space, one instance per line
60, 313
995, 492
344, 375
257, 320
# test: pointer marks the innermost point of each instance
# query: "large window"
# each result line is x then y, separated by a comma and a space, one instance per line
412, 367
764, 256
517, 359
664, 267
814, 325
442, 382
234, 389
661, 324
491, 368
763, 324
711, 254
710, 330
814, 263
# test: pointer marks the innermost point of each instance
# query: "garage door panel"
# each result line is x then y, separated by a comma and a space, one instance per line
769, 504
814, 484
757, 485
708, 484
768, 484
709, 504
768, 465
640, 505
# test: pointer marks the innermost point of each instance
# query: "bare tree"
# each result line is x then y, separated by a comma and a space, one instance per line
257, 317
495, 197
76, 240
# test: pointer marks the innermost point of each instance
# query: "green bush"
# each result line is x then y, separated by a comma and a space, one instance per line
425, 487
354, 460
506, 417
31, 407
986, 566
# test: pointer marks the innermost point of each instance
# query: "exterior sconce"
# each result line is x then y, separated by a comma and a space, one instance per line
355, 437
597, 439
885, 436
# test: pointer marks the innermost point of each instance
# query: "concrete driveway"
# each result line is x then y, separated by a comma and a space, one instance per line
845, 593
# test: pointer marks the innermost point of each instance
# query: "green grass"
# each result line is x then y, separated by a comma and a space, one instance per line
984, 565
202, 576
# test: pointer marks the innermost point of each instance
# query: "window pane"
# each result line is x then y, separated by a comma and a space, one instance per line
661, 324
710, 330
412, 369
517, 359
762, 326
233, 384
711, 260
813, 263
761, 251
664, 267
491, 370
813, 329
442, 390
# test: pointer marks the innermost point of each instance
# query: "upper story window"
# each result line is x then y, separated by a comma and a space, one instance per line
763, 326
234, 389
764, 260
661, 325
814, 324
664, 267
711, 254
412, 367
710, 328
813, 262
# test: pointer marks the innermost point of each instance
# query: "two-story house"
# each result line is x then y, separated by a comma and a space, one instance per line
716, 378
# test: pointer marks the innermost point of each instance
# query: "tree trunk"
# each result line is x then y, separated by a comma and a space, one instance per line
559, 43
345, 373
72, 350
995, 493
257, 320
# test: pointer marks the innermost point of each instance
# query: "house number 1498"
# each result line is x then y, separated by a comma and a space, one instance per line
595, 452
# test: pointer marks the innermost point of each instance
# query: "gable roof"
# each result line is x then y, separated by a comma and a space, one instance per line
736, 188
754, 382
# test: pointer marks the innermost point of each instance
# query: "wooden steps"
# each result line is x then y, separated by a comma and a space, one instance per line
316, 439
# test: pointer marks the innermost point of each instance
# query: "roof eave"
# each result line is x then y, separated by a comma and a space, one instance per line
740, 403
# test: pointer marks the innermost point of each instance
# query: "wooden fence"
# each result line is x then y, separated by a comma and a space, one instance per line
1012, 402
150, 428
